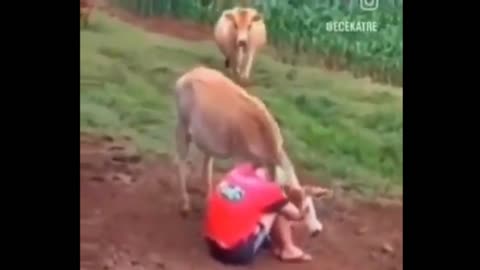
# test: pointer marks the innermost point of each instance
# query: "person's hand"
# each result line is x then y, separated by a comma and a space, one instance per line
296, 195
304, 212
301, 214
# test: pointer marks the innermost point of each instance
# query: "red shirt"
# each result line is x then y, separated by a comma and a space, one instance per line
237, 204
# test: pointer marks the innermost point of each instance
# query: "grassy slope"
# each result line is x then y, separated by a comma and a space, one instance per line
336, 126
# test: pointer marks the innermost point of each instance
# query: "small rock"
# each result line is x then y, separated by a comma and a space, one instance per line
388, 248
341, 218
124, 153
134, 263
362, 230
127, 138
126, 158
109, 264
155, 258
116, 148
291, 74
121, 177
97, 178
86, 165
373, 255
107, 138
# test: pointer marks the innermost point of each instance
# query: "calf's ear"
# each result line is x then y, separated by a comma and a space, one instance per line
318, 192
230, 16
258, 17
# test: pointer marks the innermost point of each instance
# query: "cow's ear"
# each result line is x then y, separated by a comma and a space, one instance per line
229, 15
317, 192
258, 17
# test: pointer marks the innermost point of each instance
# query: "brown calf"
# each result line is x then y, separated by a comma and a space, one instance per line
239, 34
86, 9
224, 121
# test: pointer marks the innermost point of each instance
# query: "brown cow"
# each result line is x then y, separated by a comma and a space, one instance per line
86, 9
240, 33
224, 121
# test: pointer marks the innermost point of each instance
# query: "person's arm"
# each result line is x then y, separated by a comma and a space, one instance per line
290, 211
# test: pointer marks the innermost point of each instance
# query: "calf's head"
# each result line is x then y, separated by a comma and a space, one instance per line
298, 195
302, 198
242, 21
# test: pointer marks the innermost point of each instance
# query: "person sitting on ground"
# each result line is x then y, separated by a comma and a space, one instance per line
244, 212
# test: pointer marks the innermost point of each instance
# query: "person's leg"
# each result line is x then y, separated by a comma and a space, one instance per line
268, 220
263, 233
283, 244
246, 252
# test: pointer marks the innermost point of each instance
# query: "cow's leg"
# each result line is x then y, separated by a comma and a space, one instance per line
287, 167
272, 173
86, 17
87, 20
207, 168
239, 56
247, 67
82, 20
230, 64
182, 146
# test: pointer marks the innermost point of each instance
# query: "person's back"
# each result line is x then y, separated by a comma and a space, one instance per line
236, 206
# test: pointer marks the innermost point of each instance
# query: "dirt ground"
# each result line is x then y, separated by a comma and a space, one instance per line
129, 219
129, 216
167, 26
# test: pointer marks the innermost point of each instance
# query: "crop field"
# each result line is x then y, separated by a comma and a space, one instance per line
298, 30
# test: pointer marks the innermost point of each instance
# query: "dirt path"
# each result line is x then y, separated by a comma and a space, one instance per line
130, 220
162, 25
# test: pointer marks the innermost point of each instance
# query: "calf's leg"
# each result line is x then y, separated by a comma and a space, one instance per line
314, 226
182, 146
247, 67
207, 168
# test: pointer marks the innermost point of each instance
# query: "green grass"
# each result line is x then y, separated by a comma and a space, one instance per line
337, 127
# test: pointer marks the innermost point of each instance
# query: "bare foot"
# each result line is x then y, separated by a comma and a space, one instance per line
294, 254
277, 252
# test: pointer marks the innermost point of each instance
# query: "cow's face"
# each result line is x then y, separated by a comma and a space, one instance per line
242, 21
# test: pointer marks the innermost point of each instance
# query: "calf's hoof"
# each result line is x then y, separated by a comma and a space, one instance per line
244, 81
316, 231
185, 211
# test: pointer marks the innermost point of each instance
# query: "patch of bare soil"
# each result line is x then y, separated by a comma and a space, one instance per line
162, 25
129, 219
